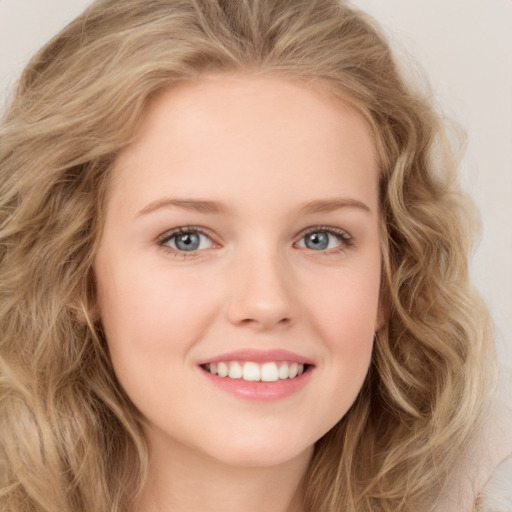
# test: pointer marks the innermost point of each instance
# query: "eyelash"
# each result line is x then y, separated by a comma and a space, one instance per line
346, 241
185, 230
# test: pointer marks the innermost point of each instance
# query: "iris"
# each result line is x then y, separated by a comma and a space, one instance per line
317, 241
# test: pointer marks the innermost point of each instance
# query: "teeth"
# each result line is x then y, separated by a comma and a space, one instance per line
283, 371
222, 369
269, 372
235, 371
250, 371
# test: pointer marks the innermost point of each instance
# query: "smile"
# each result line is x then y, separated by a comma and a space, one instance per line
271, 371
258, 375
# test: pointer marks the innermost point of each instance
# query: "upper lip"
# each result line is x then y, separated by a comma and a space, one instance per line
258, 356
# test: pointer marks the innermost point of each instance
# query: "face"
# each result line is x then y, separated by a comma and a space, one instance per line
242, 238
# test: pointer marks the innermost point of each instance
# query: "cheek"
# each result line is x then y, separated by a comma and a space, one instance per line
347, 332
143, 311
151, 320
344, 314
345, 305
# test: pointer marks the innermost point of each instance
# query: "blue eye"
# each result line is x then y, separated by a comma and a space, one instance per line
189, 239
186, 240
317, 241
322, 239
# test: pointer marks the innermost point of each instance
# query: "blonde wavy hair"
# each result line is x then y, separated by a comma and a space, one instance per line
70, 439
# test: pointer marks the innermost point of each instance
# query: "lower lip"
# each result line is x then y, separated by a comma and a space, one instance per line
258, 390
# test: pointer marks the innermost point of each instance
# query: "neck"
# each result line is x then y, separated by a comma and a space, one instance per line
182, 480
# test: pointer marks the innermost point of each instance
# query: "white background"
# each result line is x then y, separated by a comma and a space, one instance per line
465, 46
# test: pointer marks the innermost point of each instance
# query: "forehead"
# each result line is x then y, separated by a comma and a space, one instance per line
237, 129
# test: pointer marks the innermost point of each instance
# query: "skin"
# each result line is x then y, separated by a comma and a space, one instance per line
262, 148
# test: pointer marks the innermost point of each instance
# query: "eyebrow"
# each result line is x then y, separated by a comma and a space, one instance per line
329, 205
197, 205
215, 207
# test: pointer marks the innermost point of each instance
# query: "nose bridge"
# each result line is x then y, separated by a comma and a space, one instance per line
262, 287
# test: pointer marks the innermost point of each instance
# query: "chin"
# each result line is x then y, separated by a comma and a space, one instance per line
262, 451
262, 458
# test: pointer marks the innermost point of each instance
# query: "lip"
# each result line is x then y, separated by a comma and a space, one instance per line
259, 390
258, 356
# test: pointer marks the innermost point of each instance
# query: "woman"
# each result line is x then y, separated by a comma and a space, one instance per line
234, 269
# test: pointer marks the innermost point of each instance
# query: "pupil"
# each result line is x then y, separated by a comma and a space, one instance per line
188, 242
317, 241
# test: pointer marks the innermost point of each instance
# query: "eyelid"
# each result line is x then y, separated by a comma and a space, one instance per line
183, 230
346, 240
330, 229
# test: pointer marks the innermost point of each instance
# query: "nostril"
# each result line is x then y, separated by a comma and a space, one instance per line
265, 322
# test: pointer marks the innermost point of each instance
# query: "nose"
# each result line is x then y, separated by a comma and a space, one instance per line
262, 293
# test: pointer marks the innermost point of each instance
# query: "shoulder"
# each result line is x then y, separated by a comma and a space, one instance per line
495, 491
496, 496
482, 482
